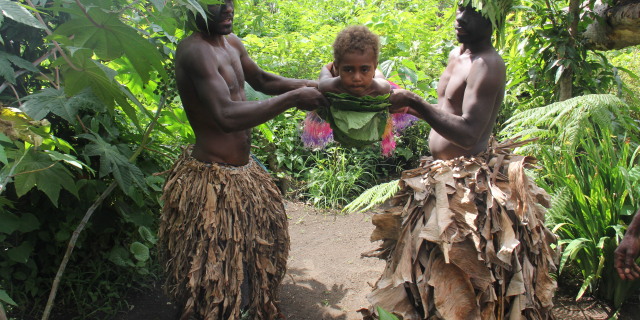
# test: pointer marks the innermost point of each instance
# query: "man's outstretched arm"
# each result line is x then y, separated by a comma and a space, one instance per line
263, 81
231, 115
482, 90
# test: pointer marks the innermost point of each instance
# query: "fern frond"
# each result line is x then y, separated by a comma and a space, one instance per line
372, 197
573, 120
560, 204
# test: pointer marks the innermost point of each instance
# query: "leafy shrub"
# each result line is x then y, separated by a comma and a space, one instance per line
588, 147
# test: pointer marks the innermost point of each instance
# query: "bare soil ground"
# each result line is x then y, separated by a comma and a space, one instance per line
328, 280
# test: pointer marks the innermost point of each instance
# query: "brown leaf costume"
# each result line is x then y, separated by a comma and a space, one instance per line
219, 225
469, 242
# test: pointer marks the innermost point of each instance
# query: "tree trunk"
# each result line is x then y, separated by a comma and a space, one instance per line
619, 26
565, 84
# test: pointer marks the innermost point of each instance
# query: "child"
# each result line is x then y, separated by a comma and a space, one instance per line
354, 67
359, 96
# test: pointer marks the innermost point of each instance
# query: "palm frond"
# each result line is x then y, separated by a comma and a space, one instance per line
372, 197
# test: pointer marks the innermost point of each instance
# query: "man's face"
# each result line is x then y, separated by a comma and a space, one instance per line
220, 18
471, 26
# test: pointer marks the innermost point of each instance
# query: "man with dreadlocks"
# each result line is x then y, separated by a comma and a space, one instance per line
223, 234
467, 239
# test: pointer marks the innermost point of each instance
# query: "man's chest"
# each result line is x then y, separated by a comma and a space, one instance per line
230, 67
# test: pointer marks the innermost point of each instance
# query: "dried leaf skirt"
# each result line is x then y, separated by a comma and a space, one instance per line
467, 241
219, 225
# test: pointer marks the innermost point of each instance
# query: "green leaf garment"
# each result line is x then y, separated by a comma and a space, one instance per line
357, 121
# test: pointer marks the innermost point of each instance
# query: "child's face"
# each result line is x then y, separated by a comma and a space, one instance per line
356, 71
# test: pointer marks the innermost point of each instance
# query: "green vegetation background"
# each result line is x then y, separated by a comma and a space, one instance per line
90, 120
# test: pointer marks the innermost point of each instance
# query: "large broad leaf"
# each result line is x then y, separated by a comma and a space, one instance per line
114, 162
111, 38
100, 79
53, 100
18, 13
38, 170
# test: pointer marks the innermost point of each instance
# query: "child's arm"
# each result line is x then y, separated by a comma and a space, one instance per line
327, 71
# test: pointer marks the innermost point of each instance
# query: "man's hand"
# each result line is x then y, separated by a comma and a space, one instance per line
401, 98
625, 255
309, 98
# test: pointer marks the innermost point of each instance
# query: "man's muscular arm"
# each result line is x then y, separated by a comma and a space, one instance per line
263, 81
482, 89
212, 90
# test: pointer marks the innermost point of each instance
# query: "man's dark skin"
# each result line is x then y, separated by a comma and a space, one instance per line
470, 92
211, 68
628, 250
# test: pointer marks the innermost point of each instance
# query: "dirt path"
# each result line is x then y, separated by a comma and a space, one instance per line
328, 280
326, 277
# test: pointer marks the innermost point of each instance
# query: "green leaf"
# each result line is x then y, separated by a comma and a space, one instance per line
19, 13
140, 251
68, 159
111, 39
38, 105
3, 155
62, 235
120, 257
114, 162
28, 223
147, 235
385, 315
5, 297
20, 253
38, 170
6, 70
9, 222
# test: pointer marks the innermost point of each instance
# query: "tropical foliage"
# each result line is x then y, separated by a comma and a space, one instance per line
589, 147
90, 120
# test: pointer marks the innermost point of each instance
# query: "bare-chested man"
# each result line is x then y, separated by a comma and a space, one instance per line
469, 247
470, 92
223, 234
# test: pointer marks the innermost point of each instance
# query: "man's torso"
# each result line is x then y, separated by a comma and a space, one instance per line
212, 143
451, 90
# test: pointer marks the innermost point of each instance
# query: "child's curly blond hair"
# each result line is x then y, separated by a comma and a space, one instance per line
355, 39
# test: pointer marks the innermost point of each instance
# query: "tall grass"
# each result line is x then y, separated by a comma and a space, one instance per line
593, 192
335, 178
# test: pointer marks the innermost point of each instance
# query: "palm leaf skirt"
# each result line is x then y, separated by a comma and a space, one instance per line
219, 225
467, 240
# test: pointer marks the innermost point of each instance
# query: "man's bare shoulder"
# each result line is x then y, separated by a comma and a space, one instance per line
195, 52
491, 59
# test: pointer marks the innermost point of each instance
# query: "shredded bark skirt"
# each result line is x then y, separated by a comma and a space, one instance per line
466, 240
223, 226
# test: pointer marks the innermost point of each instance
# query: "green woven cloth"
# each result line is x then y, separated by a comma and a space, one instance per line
356, 121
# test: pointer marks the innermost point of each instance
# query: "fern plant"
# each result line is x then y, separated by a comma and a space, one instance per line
588, 147
572, 120
372, 197
593, 193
